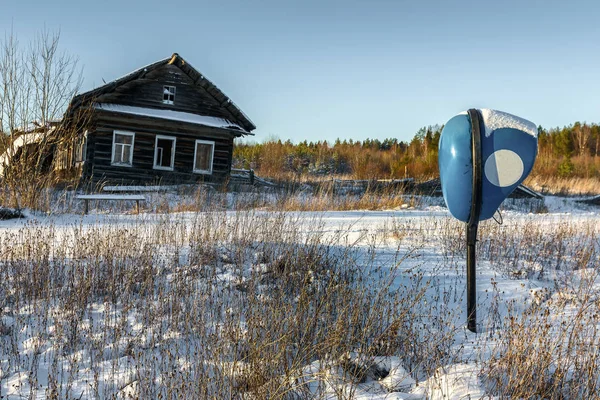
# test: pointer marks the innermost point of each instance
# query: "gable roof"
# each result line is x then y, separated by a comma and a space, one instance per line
236, 114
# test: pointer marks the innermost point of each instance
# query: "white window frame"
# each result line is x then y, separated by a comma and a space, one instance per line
174, 139
114, 145
171, 93
83, 150
84, 147
212, 157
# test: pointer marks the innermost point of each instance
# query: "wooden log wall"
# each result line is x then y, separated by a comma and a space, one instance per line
100, 142
148, 92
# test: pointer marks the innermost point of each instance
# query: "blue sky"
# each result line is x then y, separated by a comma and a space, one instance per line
319, 70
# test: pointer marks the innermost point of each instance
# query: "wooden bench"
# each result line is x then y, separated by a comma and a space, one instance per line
111, 197
139, 189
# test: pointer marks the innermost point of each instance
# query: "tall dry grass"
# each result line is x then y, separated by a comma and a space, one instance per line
573, 186
222, 305
327, 201
544, 347
250, 304
550, 351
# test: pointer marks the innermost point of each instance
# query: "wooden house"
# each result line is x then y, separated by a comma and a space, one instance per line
164, 123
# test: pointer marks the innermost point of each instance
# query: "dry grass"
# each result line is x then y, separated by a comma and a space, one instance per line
545, 348
332, 202
550, 350
222, 306
238, 304
575, 186
529, 249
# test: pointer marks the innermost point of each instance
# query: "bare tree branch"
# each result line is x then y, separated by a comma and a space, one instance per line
36, 86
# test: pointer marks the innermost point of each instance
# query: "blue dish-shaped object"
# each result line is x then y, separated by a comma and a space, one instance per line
508, 152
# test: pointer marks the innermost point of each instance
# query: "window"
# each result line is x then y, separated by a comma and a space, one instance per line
81, 148
203, 156
164, 152
168, 94
122, 152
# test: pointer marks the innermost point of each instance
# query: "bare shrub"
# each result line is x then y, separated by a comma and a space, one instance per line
543, 353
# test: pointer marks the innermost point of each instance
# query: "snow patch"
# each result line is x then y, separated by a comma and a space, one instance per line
457, 381
171, 115
398, 379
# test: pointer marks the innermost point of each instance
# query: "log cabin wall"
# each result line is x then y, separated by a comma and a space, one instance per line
148, 92
100, 141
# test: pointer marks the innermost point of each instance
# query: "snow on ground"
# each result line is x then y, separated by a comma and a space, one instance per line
413, 242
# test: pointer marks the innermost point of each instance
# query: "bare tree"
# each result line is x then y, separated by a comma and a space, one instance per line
14, 91
14, 104
581, 136
55, 80
36, 86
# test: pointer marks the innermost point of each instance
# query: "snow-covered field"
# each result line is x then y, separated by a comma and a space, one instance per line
266, 304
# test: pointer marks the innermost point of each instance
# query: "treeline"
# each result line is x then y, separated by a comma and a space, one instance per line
571, 151
371, 158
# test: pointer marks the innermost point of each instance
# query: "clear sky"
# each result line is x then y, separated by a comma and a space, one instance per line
320, 70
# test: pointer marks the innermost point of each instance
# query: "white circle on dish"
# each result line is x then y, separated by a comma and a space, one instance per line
503, 168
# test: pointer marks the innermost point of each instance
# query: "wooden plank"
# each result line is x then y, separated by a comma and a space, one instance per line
139, 188
110, 197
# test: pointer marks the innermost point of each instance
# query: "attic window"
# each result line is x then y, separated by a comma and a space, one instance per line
168, 94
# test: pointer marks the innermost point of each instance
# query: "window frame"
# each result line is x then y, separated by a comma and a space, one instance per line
81, 149
122, 133
168, 100
212, 157
160, 167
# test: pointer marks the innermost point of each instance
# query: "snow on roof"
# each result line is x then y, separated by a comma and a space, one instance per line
493, 120
22, 140
171, 115
29, 138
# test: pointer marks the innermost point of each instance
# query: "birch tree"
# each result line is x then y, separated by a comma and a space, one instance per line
581, 135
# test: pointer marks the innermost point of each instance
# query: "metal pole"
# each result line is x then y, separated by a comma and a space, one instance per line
473, 222
471, 281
